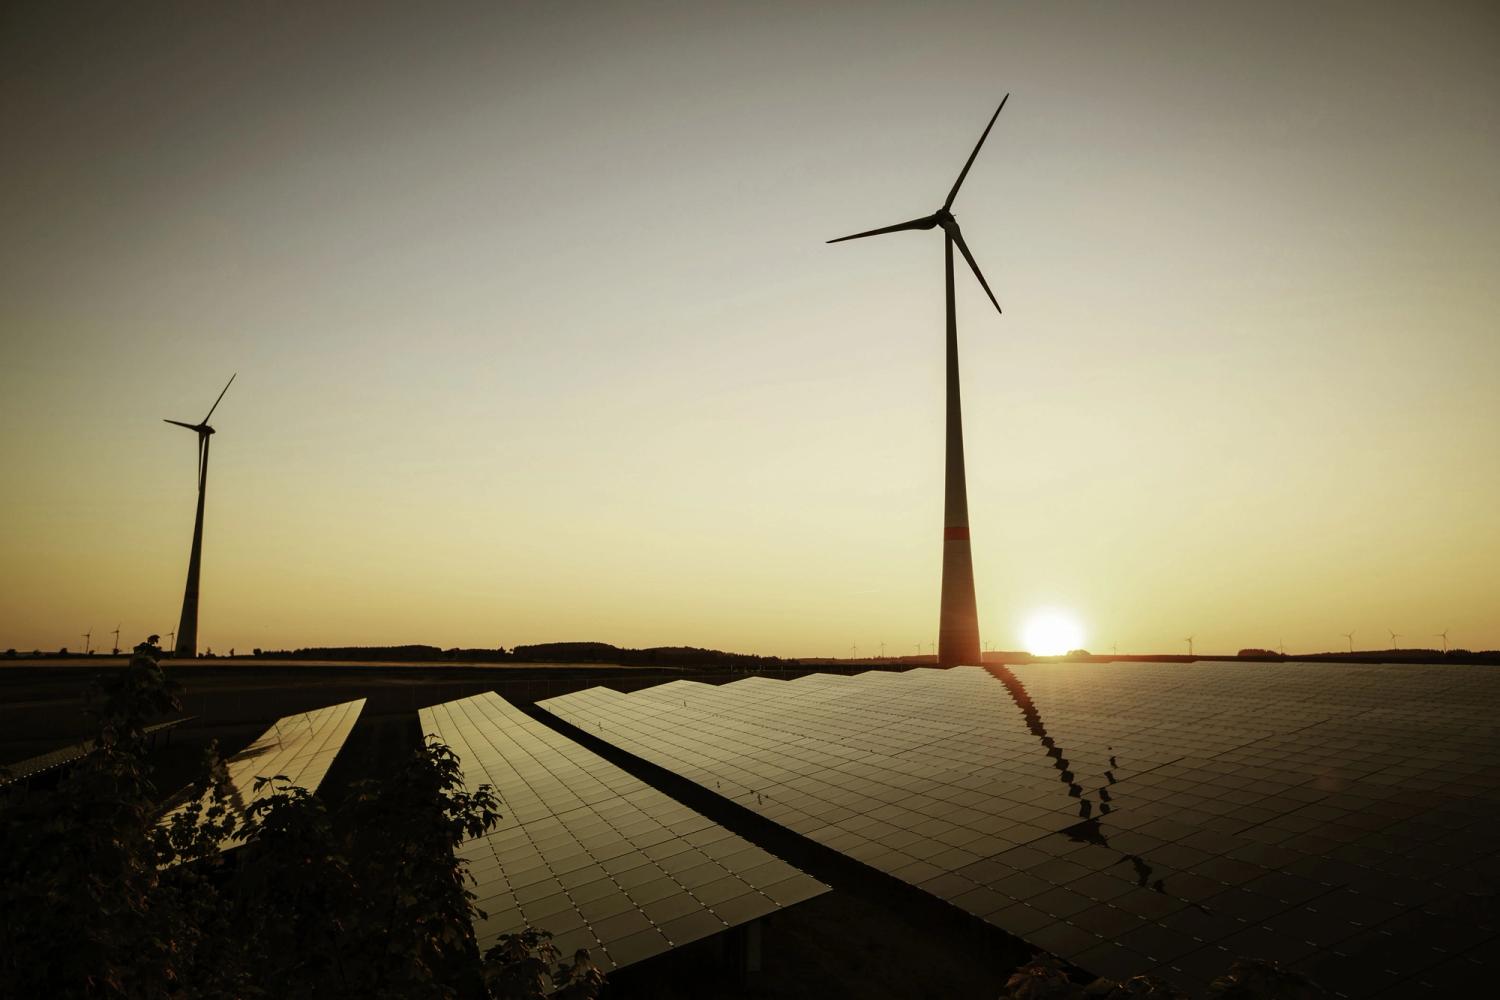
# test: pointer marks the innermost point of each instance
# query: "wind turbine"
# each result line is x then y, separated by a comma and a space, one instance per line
187, 628
1394, 637
1189, 641
117, 641
88, 637
958, 622
1443, 635
1350, 637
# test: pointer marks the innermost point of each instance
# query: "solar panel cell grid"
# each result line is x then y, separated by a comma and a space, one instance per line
1147, 817
299, 747
590, 853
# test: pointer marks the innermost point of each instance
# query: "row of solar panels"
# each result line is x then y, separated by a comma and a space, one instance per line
31, 767
1129, 817
582, 850
1132, 818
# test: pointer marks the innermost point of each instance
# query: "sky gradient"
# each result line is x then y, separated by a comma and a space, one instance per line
538, 337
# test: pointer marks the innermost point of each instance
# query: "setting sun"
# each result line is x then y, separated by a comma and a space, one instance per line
1050, 631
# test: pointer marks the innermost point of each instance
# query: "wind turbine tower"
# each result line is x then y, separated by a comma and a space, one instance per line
186, 635
88, 638
958, 621
1189, 641
117, 641
1350, 637
1394, 637
1443, 635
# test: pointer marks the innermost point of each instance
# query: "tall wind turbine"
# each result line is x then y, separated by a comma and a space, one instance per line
88, 638
958, 621
187, 628
1350, 637
117, 641
1443, 635
1394, 637
1189, 641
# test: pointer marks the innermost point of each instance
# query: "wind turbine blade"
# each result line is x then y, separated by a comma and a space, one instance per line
965, 171
963, 248
179, 423
926, 222
211, 409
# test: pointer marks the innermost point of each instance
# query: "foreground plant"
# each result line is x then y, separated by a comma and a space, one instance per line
363, 899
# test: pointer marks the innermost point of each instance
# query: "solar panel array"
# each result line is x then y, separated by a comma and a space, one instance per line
299, 747
593, 855
1133, 817
24, 770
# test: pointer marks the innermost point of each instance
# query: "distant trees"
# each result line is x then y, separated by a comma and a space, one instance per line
364, 899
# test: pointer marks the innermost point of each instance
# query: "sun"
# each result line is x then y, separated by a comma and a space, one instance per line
1051, 631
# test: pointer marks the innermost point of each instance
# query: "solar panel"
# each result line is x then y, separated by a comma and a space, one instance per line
300, 747
1132, 817
32, 766
593, 855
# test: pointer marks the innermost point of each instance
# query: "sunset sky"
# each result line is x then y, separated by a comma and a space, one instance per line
538, 337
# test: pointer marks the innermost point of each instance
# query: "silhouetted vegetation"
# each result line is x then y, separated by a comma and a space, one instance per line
656, 656
548, 652
363, 899
1047, 979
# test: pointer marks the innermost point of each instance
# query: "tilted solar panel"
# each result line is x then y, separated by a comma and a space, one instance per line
300, 747
593, 855
1133, 817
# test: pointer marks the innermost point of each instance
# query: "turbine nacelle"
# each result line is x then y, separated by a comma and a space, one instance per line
200, 428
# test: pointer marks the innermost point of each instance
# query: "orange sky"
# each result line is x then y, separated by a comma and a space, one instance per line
538, 338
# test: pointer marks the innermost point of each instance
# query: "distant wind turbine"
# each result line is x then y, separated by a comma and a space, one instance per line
117, 641
1394, 637
88, 637
1189, 641
187, 628
958, 621
1443, 635
1350, 637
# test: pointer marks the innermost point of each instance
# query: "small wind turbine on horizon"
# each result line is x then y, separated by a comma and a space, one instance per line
88, 637
186, 636
117, 641
1443, 635
1189, 641
1394, 637
958, 621
1350, 637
